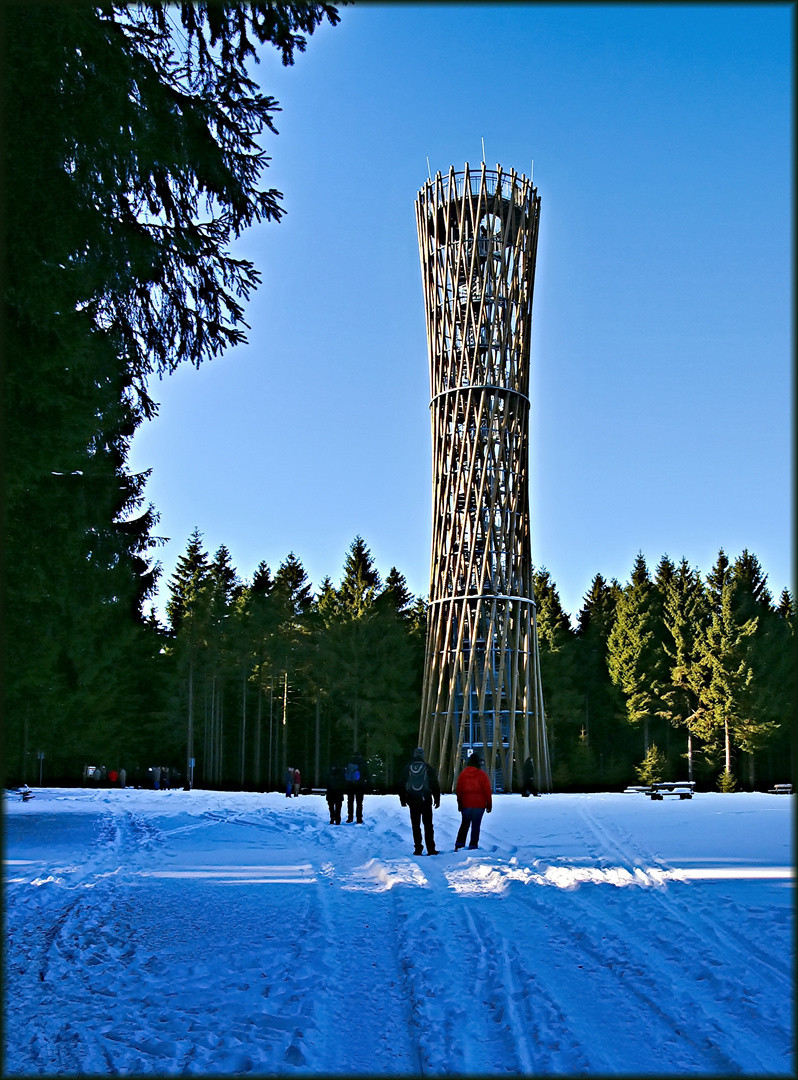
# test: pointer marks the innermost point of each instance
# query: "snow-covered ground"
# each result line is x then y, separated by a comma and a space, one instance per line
211, 933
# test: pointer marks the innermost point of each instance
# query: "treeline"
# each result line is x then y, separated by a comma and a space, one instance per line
264, 674
671, 675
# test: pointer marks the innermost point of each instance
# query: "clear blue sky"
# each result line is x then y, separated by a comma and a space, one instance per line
661, 347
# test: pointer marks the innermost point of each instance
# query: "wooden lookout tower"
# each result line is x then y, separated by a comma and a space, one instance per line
477, 233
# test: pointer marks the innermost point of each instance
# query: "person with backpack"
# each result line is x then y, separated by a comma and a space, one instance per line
335, 792
473, 799
356, 777
419, 790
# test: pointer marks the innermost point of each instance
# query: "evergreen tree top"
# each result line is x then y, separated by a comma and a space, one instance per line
640, 577
262, 580
361, 580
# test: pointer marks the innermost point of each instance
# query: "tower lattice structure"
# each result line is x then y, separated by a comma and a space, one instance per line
478, 234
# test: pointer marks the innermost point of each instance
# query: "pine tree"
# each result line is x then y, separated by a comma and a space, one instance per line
132, 161
635, 656
559, 675
685, 616
605, 727
723, 673
189, 612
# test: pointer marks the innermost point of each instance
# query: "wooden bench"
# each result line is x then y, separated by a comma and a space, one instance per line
682, 788
637, 789
781, 789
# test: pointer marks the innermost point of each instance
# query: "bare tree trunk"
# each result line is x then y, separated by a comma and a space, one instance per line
285, 724
728, 744
317, 781
751, 778
243, 726
645, 734
271, 727
190, 733
689, 755
355, 727
258, 727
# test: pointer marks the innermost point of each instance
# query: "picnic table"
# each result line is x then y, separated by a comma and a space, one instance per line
660, 788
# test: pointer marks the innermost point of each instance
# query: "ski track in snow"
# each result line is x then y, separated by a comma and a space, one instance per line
253, 938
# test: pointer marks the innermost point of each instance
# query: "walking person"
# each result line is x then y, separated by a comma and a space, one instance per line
529, 779
419, 789
356, 778
473, 799
297, 782
289, 781
335, 792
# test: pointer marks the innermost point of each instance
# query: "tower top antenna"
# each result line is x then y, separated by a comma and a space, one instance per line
483, 150
429, 174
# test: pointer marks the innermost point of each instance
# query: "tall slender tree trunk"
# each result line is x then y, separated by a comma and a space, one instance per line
728, 743
355, 726
689, 755
645, 735
317, 777
258, 727
285, 723
751, 778
271, 728
190, 732
25, 734
243, 726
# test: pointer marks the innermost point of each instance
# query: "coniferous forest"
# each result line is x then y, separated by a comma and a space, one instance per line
131, 163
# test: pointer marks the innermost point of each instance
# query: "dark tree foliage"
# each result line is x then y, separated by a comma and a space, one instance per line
131, 161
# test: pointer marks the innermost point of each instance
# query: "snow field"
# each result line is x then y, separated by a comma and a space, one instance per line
221, 933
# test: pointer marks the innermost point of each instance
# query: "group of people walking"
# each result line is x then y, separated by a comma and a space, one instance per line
420, 792
350, 780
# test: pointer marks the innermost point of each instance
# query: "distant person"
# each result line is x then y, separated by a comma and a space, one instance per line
289, 781
296, 783
103, 776
122, 778
356, 779
165, 777
155, 773
113, 776
335, 792
473, 799
530, 785
419, 790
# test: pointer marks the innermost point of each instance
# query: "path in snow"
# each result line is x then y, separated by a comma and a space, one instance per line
223, 933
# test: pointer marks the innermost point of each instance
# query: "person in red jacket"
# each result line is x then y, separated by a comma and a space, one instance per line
473, 799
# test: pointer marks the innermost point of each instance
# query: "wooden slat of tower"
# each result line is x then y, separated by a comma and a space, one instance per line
478, 240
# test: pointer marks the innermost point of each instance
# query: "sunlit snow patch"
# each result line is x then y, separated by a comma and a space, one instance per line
379, 875
478, 876
241, 875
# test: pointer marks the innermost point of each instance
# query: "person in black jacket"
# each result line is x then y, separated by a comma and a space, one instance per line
419, 789
529, 778
356, 779
335, 792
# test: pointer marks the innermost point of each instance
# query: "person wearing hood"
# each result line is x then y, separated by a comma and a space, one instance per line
473, 799
419, 789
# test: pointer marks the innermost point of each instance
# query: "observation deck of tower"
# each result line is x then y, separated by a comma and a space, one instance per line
477, 232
